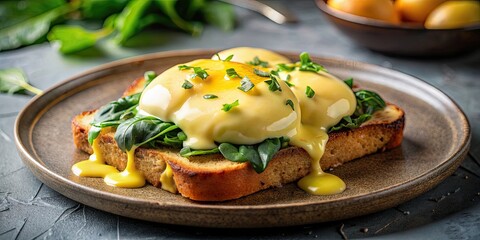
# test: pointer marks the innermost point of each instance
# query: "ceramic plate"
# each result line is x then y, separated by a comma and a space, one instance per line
437, 137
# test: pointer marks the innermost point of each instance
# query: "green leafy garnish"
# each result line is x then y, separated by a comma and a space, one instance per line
219, 14
309, 92
187, 85
227, 59
258, 155
184, 67
29, 22
273, 84
32, 30
246, 84
149, 76
349, 82
112, 114
231, 73
290, 103
368, 102
141, 130
289, 84
257, 62
209, 96
286, 68
75, 38
13, 80
306, 64
199, 72
261, 73
188, 152
228, 106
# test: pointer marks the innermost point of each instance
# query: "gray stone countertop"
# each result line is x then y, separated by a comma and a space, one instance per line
29, 209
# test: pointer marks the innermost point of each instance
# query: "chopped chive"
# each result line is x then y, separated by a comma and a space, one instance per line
228, 58
200, 72
187, 84
246, 84
309, 92
257, 62
290, 103
289, 84
231, 73
184, 67
209, 96
285, 67
306, 64
273, 84
228, 106
261, 73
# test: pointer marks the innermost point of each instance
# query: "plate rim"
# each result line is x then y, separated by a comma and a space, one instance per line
35, 162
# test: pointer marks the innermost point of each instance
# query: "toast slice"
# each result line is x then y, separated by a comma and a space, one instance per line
195, 176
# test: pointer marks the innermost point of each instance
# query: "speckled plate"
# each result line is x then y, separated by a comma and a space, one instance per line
437, 138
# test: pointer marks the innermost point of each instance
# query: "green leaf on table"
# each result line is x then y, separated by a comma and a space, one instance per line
15, 12
101, 9
127, 22
75, 38
219, 14
168, 7
31, 30
13, 80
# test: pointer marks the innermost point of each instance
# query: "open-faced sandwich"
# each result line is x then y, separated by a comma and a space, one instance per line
222, 128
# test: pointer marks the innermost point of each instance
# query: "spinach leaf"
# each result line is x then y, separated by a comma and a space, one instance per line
258, 155
141, 130
13, 80
128, 21
188, 152
75, 38
368, 102
15, 12
33, 29
149, 76
101, 9
168, 7
219, 14
112, 114
257, 62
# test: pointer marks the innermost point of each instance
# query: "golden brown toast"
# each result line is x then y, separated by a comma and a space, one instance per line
195, 176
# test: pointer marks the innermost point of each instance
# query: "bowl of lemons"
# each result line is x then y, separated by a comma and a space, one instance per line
416, 28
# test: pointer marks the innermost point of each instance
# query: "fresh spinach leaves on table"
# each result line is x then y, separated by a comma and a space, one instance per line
28, 21
13, 80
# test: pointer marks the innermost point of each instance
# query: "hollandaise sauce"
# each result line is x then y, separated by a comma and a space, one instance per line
95, 166
128, 178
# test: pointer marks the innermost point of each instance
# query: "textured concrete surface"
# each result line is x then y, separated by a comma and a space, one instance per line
29, 209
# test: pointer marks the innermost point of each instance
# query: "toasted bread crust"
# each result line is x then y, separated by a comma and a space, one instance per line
213, 178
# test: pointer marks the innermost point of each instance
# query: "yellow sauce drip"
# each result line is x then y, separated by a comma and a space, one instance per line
95, 166
168, 183
317, 182
128, 178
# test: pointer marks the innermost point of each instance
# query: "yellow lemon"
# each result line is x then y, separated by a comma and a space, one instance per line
454, 14
377, 9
